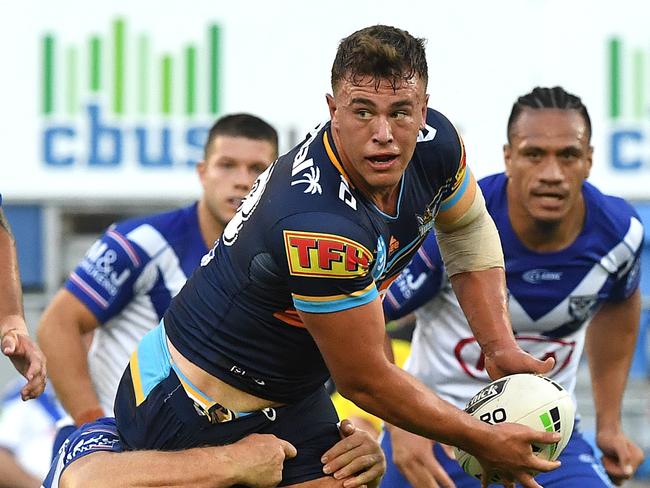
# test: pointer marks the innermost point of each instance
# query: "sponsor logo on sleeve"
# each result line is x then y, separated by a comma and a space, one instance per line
325, 255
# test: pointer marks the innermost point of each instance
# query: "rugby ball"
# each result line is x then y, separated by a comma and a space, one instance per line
528, 399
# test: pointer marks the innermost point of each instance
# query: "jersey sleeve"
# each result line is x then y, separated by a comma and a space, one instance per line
328, 261
104, 279
97, 436
629, 276
418, 283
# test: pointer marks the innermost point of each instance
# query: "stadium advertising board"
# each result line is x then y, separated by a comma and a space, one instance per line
113, 101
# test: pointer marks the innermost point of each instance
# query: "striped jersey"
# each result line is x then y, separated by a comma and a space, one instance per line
100, 435
127, 280
306, 239
552, 296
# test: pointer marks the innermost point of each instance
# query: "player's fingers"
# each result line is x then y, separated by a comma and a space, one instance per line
8, 344
538, 464
361, 471
343, 446
346, 428
614, 470
441, 476
527, 481
543, 367
419, 477
544, 437
289, 450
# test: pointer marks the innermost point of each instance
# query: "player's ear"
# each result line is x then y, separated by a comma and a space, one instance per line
200, 169
589, 161
331, 105
507, 153
424, 111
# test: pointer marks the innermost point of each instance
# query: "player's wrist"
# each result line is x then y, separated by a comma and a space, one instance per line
12, 323
88, 415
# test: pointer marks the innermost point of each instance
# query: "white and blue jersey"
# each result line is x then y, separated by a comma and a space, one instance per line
97, 436
27, 429
552, 297
127, 280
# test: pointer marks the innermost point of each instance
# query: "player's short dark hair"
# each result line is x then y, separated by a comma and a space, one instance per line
242, 125
540, 98
381, 52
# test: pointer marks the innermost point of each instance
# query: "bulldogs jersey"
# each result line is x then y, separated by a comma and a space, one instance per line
97, 436
127, 280
552, 296
305, 239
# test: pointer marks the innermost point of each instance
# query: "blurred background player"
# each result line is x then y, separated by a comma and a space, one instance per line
27, 431
572, 271
126, 280
255, 461
15, 342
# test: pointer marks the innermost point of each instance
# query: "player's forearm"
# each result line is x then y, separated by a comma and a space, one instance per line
200, 468
11, 296
401, 400
482, 296
610, 343
12, 475
68, 366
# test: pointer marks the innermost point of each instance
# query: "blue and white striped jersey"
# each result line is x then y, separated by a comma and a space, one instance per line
127, 280
552, 296
100, 435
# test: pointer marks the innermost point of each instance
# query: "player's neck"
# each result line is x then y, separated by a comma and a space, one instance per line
542, 236
210, 228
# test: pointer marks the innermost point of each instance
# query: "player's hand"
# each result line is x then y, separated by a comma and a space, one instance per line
258, 459
357, 458
621, 456
507, 452
504, 361
413, 456
25, 355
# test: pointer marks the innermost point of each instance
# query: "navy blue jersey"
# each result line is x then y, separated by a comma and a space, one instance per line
552, 296
305, 239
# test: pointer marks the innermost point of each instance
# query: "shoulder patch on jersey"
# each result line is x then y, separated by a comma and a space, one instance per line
325, 255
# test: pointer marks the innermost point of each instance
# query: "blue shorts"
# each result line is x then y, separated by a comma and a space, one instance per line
162, 410
580, 469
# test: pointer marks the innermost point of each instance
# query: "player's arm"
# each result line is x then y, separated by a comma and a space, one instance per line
61, 332
12, 475
610, 343
471, 250
14, 336
366, 377
254, 461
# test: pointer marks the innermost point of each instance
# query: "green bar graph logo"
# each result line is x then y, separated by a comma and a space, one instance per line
627, 79
124, 69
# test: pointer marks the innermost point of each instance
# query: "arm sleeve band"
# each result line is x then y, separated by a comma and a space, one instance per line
472, 242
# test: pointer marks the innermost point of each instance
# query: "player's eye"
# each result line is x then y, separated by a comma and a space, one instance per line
363, 113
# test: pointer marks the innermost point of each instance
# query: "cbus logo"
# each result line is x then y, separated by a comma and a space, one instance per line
325, 255
116, 100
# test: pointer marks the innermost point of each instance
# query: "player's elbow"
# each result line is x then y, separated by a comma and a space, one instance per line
86, 471
362, 390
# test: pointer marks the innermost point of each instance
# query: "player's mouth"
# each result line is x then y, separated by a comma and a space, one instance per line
234, 202
549, 198
382, 161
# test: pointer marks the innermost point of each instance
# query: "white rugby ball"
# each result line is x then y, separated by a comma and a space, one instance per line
528, 399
